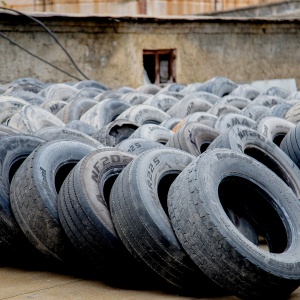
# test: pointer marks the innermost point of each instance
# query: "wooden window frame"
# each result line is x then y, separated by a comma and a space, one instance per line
156, 53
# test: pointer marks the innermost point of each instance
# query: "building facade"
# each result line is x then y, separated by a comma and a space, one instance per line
130, 7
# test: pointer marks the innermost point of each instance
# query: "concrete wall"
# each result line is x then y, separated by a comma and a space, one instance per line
110, 50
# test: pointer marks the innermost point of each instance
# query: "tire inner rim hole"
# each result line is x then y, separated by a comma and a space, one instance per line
109, 182
203, 147
278, 139
163, 189
250, 209
14, 167
266, 160
62, 174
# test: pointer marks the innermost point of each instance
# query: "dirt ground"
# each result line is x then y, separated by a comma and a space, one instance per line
23, 283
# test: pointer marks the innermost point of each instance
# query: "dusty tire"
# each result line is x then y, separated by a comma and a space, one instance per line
84, 211
135, 98
63, 133
170, 123
235, 101
10, 106
6, 130
193, 138
138, 146
141, 221
32, 118
58, 92
161, 101
53, 106
250, 142
13, 151
220, 109
144, 114
153, 132
254, 111
189, 105
224, 122
278, 92
267, 100
290, 145
219, 86
34, 191
199, 117
115, 132
104, 112
75, 109
223, 178
245, 91
293, 114
274, 128
82, 127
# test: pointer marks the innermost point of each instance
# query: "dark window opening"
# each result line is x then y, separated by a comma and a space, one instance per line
159, 66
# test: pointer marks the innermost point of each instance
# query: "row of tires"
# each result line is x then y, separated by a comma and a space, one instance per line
199, 201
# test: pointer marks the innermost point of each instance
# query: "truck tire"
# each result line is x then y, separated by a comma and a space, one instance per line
250, 142
197, 201
84, 211
141, 219
34, 191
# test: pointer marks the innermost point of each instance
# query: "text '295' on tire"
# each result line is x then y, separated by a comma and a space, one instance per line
198, 198
34, 192
84, 212
138, 207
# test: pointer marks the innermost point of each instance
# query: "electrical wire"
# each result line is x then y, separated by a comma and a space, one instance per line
51, 34
34, 55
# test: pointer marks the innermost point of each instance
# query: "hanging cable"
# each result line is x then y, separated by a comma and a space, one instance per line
51, 34
34, 55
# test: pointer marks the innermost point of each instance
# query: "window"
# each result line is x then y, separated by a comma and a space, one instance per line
159, 65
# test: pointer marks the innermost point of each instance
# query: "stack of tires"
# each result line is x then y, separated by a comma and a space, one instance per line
194, 187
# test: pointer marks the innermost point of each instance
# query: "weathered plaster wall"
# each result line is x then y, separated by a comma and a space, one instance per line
110, 50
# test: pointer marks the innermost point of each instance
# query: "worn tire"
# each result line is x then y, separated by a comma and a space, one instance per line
224, 122
82, 127
104, 112
199, 117
62, 133
161, 101
53, 106
220, 109
115, 132
193, 138
274, 128
144, 114
136, 203
245, 91
290, 145
135, 98
13, 151
84, 211
249, 141
138, 146
32, 118
153, 132
75, 109
34, 191
254, 111
188, 105
224, 178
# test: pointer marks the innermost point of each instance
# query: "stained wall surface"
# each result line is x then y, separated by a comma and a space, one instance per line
110, 50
